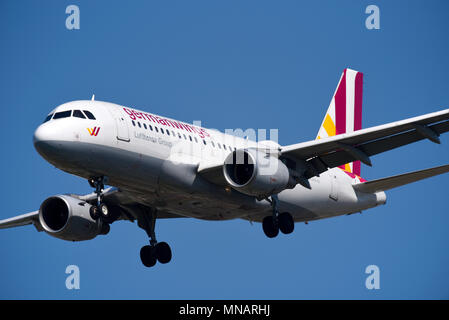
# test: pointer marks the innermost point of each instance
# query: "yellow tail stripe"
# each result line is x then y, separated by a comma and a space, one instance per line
348, 167
329, 126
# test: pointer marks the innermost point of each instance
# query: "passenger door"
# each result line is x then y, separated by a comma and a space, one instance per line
121, 125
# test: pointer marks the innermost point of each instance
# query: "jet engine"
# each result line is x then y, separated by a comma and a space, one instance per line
68, 218
256, 172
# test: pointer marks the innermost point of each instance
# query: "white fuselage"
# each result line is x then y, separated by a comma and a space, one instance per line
155, 160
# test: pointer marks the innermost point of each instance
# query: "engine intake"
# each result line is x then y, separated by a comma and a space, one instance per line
68, 218
256, 173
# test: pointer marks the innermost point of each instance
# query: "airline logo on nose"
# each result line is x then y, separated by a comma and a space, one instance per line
94, 131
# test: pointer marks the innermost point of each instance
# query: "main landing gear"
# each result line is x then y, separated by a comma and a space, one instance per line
272, 224
100, 210
156, 251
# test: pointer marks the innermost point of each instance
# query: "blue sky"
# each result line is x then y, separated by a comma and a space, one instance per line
230, 64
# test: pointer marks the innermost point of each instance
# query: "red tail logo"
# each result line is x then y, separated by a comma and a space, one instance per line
94, 131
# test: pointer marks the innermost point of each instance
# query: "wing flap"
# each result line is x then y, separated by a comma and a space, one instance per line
399, 180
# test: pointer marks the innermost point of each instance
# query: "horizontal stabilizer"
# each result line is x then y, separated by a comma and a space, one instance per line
399, 180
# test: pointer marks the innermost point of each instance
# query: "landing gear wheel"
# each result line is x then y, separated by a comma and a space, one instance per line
104, 213
93, 211
163, 252
286, 223
156, 251
148, 256
100, 210
270, 227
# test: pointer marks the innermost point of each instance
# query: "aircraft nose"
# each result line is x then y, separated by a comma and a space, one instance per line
40, 135
43, 140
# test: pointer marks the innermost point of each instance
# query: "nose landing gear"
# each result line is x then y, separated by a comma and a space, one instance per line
272, 224
100, 210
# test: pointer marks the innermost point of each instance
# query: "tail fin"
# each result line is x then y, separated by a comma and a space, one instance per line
345, 111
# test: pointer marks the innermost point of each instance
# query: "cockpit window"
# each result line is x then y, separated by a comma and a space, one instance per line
62, 114
89, 114
78, 114
48, 118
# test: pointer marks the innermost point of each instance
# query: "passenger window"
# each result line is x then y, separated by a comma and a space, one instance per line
173, 133
185, 138
78, 114
138, 123
134, 124
162, 130
62, 114
179, 135
145, 125
151, 128
204, 141
89, 115
155, 128
48, 118
168, 132
190, 138
219, 146
196, 140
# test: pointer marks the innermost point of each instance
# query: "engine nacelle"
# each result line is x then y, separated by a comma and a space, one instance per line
68, 218
256, 173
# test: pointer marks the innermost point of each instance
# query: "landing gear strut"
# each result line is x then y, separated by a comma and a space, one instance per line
100, 210
272, 224
156, 251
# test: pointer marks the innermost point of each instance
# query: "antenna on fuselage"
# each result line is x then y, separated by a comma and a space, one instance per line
93, 97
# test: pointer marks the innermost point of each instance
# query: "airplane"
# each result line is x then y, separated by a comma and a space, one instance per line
160, 168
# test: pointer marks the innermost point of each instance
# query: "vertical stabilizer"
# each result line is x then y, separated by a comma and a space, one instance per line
344, 114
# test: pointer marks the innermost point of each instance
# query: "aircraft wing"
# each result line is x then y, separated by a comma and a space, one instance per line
213, 172
128, 205
128, 201
22, 220
360, 145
